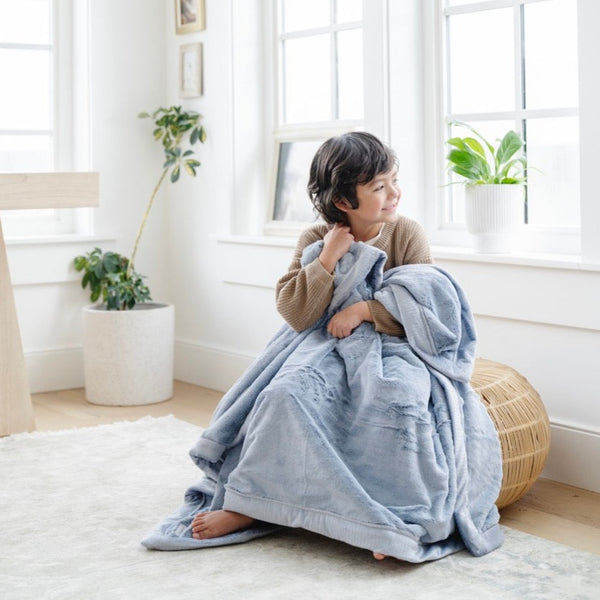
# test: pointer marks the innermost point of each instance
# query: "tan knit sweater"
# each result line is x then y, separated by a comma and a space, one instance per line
304, 293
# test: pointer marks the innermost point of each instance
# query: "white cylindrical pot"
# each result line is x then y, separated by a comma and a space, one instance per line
494, 215
128, 354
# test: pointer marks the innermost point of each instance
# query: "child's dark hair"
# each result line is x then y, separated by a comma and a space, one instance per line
342, 163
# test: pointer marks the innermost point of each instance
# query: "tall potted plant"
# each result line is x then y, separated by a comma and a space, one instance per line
494, 177
128, 340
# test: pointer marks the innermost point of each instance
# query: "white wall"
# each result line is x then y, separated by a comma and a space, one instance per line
127, 59
541, 318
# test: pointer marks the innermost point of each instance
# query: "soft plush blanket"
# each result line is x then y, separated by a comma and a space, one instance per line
374, 440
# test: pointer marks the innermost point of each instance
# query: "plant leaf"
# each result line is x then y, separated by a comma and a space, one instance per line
475, 146
467, 126
189, 168
468, 164
468, 174
510, 144
519, 164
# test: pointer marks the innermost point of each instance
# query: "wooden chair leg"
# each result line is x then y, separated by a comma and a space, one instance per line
16, 410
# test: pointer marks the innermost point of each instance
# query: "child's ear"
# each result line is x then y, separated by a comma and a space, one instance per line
342, 204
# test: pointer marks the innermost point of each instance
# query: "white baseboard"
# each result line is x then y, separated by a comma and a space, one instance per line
573, 458
59, 369
574, 451
209, 367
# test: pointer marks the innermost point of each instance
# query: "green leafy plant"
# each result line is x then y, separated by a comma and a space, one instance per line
175, 129
479, 162
112, 276
107, 276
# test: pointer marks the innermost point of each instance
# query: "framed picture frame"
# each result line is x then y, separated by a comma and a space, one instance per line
190, 70
189, 16
290, 206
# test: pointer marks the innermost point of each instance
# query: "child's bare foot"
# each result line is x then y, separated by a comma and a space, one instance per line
216, 523
378, 556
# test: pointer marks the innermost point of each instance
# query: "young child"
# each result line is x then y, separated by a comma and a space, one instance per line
353, 186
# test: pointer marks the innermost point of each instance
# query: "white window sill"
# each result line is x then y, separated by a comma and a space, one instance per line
40, 240
538, 260
258, 240
449, 253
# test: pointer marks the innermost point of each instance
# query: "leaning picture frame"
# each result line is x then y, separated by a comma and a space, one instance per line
189, 16
190, 70
290, 208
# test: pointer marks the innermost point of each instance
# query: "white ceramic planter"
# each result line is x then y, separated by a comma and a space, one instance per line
128, 355
494, 215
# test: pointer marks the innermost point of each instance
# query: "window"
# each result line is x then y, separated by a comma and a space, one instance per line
513, 64
37, 109
320, 61
319, 89
25, 104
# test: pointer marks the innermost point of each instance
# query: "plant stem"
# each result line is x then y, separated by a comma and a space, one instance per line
143, 223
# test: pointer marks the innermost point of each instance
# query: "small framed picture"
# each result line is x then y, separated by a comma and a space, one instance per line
189, 16
190, 70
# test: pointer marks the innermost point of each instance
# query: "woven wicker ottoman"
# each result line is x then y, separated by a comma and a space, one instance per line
522, 424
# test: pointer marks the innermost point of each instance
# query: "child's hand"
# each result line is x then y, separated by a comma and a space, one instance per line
337, 242
343, 323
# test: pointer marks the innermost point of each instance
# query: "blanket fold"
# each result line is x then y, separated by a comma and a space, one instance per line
373, 440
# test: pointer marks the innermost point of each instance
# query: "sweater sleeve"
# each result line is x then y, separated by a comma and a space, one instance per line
383, 320
304, 293
417, 246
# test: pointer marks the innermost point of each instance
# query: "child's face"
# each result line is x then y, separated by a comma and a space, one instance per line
377, 202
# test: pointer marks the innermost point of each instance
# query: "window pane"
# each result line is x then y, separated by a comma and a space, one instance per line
25, 97
350, 74
348, 11
551, 54
25, 223
305, 14
25, 21
553, 191
25, 153
307, 73
482, 61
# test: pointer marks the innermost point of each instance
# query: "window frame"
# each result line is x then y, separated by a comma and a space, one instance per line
442, 231
280, 132
69, 123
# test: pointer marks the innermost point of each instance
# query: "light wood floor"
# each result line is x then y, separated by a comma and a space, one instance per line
550, 510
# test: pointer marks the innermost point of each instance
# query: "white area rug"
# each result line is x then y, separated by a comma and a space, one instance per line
75, 504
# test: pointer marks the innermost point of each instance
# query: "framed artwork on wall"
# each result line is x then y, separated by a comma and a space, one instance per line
190, 70
189, 16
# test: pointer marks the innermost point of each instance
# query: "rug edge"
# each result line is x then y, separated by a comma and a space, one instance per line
170, 418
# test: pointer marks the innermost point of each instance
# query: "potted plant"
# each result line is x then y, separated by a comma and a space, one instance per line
128, 340
494, 194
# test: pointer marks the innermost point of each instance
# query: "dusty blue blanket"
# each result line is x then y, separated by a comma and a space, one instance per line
374, 440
